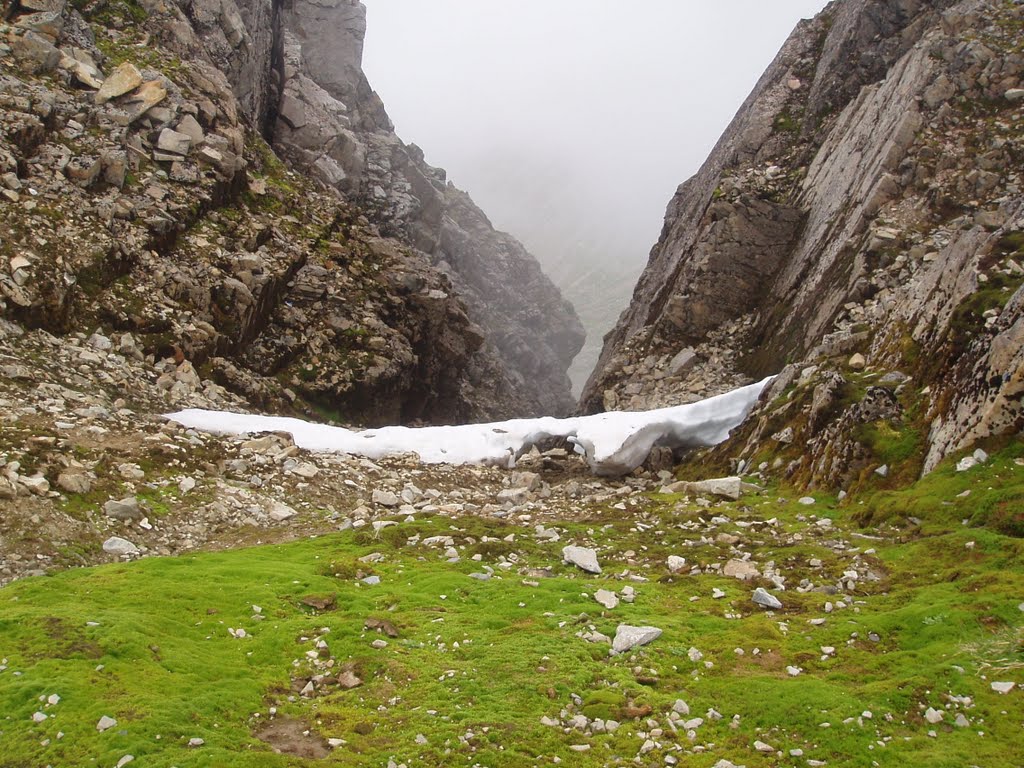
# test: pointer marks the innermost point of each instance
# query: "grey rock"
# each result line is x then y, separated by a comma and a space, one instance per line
126, 509
385, 498
173, 141
115, 545
725, 487
279, 511
766, 600
741, 569
35, 53
125, 78
74, 482
606, 598
189, 126
628, 637
583, 558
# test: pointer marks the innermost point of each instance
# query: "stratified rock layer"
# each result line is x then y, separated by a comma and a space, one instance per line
865, 199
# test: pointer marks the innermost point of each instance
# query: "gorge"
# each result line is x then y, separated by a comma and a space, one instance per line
223, 274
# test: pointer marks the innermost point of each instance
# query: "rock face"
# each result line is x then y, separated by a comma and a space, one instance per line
866, 200
351, 283
332, 124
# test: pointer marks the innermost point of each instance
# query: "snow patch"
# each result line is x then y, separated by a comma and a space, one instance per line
613, 443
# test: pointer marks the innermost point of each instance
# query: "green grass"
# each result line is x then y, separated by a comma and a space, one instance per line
477, 664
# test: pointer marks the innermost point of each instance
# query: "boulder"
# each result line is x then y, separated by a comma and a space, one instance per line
126, 509
766, 600
628, 637
582, 557
741, 569
126, 77
115, 545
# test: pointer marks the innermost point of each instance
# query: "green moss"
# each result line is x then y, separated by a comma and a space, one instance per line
968, 319
477, 664
788, 122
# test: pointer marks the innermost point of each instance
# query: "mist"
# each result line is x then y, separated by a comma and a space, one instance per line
572, 122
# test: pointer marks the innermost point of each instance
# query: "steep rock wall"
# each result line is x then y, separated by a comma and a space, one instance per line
353, 283
141, 199
331, 123
876, 171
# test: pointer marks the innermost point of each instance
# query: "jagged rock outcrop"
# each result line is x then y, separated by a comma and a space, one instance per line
866, 199
331, 123
141, 198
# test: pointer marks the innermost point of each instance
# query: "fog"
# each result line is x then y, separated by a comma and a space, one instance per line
571, 122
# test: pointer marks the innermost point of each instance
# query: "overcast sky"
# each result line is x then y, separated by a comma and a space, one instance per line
571, 122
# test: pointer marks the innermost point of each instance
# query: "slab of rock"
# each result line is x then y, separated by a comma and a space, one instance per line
675, 563
628, 637
124, 509
766, 600
349, 680
385, 498
741, 569
126, 77
85, 72
145, 98
529, 480
174, 142
115, 545
105, 723
74, 482
191, 128
606, 598
723, 487
280, 512
582, 557
35, 53
1003, 687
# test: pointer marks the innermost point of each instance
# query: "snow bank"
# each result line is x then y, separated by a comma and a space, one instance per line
613, 443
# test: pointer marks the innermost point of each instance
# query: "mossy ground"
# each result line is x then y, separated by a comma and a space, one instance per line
477, 664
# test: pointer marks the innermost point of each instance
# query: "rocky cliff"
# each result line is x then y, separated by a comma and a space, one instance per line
858, 228
217, 184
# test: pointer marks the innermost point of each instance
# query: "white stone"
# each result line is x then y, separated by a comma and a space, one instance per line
1003, 687
606, 598
279, 511
765, 599
115, 545
105, 723
741, 569
675, 563
385, 498
582, 557
628, 637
